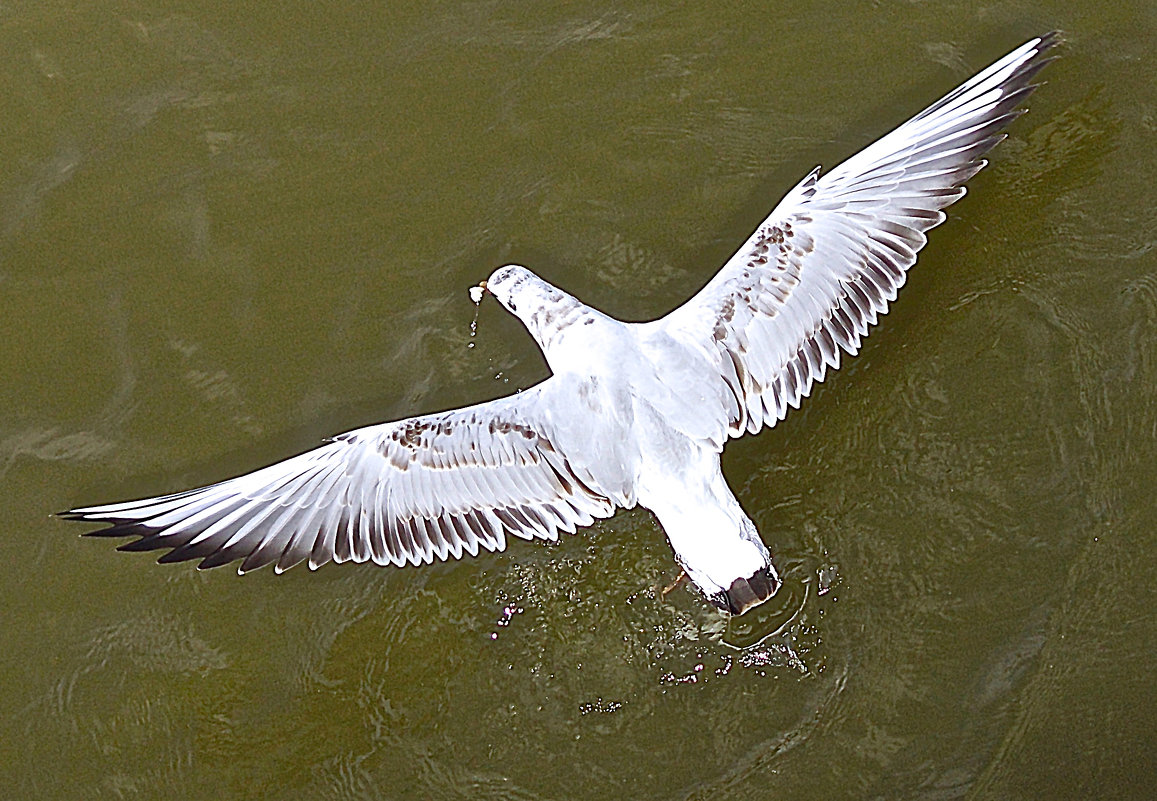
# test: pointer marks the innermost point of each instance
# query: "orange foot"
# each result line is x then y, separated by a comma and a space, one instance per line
673, 584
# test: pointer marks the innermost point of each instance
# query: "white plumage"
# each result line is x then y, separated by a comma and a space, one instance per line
633, 413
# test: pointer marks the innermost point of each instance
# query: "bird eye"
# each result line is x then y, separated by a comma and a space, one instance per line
510, 303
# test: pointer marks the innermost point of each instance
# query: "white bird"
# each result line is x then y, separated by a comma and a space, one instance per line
633, 413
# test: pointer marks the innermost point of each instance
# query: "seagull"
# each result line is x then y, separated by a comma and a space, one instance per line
633, 413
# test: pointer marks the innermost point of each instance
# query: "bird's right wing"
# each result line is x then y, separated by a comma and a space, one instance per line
407, 491
832, 255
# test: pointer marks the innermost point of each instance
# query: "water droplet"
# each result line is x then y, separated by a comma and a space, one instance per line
474, 322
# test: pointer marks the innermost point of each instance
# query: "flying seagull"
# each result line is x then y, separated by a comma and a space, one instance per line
633, 413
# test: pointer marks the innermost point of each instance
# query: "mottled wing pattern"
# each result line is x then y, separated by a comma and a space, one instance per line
408, 491
813, 277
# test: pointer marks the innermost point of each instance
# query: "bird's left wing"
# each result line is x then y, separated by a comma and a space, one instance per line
831, 256
407, 491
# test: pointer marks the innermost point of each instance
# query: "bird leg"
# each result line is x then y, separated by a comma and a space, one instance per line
673, 584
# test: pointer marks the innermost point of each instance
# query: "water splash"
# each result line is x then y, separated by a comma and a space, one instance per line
770, 619
508, 612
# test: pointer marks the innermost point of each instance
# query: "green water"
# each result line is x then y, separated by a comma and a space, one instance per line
230, 229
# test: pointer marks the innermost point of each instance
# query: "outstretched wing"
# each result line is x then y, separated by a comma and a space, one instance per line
408, 491
832, 255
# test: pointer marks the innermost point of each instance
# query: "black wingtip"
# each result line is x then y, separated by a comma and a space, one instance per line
113, 530
747, 593
144, 543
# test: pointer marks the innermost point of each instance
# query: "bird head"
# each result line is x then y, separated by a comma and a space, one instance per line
509, 285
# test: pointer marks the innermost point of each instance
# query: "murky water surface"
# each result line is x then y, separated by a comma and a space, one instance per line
227, 230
